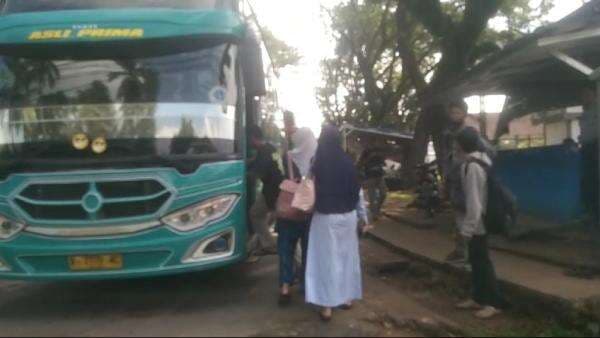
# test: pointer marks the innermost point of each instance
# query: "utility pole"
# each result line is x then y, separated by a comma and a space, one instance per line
483, 117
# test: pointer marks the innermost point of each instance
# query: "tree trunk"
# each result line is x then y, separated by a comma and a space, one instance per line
418, 150
430, 127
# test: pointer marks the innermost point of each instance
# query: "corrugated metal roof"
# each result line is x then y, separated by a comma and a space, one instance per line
379, 131
528, 72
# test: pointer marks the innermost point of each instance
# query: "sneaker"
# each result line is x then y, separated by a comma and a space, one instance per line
465, 266
468, 267
487, 312
468, 305
456, 258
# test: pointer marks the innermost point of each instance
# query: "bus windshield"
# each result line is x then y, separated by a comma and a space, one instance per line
111, 112
19, 6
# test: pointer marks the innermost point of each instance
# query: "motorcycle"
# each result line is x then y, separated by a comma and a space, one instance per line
428, 191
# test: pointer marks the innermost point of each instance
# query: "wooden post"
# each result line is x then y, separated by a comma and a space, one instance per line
483, 118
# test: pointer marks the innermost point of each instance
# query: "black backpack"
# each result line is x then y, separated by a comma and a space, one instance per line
501, 212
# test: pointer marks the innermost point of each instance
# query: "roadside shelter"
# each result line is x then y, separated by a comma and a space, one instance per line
392, 145
541, 72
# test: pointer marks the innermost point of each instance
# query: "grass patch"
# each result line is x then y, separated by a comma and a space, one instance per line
535, 329
402, 196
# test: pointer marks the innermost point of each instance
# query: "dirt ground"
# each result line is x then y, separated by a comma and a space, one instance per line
402, 299
439, 291
240, 301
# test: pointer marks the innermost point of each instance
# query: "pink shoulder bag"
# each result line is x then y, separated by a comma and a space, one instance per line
288, 190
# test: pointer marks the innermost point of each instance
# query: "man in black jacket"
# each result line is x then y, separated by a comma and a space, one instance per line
451, 168
264, 168
372, 166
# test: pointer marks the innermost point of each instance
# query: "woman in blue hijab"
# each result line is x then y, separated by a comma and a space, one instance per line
333, 276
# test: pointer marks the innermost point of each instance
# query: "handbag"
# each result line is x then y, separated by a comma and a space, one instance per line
288, 189
304, 198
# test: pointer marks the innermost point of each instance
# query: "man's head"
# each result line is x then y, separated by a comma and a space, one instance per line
588, 95
469, 141
457, 112
256, 136
289, 123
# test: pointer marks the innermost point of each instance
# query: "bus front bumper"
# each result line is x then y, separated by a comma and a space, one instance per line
155, 252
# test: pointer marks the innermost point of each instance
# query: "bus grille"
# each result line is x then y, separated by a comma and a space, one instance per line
92, 201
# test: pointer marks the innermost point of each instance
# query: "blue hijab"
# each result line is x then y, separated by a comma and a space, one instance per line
336, 179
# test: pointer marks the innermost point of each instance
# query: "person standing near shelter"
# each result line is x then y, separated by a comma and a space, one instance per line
451, 167
333, 274
293, 232
372, 164
589, 153
486, 298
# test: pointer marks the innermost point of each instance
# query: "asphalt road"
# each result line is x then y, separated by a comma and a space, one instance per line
238, 301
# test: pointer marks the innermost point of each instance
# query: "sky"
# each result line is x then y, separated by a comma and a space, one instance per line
300, 24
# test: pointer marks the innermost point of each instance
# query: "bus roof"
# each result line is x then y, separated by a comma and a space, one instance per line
109, 25
20, 6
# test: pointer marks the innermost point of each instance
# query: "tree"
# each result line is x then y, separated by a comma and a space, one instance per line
363, 83
341, 96
393, 57
282, 54
461, 32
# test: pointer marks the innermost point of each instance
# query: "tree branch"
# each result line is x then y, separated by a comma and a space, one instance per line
431, 15
389, 69
476, 17
380, 32
410, 64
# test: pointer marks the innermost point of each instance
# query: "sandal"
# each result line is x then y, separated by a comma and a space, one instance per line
325, 318
346, 307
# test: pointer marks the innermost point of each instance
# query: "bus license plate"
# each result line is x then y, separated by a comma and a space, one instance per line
96, 262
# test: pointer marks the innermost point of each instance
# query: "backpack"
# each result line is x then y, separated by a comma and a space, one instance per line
501, 212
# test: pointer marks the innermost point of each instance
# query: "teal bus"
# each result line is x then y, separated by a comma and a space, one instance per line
122, 136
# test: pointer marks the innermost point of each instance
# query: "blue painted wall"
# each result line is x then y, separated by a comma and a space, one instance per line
545, 180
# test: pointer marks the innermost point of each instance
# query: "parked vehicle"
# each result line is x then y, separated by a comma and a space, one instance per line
122, 137
428, 191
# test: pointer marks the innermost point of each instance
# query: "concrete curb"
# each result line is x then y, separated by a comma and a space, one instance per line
532, 257
522, 298
410, 222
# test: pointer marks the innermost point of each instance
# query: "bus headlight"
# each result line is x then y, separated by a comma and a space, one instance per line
201, 215
9, 228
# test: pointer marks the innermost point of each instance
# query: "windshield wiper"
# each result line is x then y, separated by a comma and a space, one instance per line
185, 164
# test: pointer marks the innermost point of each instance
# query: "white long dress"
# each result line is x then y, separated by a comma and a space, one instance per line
333, 272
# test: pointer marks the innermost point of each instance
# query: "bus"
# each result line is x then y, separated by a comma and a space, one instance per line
122, 136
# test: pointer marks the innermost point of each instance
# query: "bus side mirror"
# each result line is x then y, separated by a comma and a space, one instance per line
252, 66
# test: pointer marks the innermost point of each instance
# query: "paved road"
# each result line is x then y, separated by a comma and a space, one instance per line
239, 301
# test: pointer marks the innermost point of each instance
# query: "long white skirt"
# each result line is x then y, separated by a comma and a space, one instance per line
333, 273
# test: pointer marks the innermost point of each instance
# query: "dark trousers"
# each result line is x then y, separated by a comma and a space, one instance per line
485, 285
289, 235
589, 179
